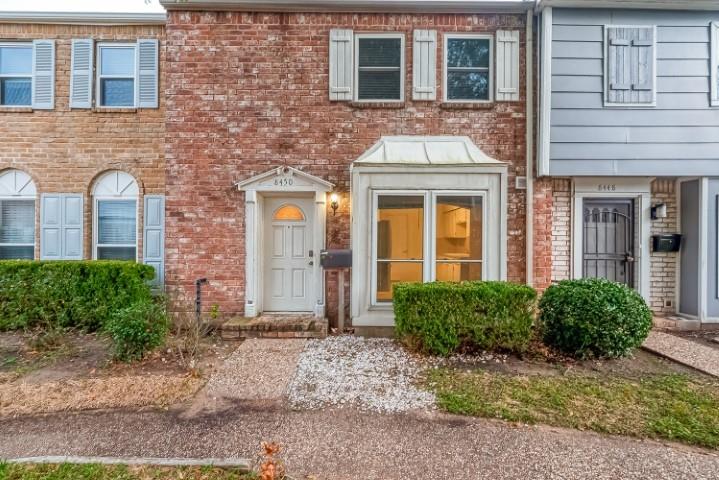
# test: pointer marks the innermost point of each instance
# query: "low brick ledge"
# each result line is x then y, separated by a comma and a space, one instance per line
274, 327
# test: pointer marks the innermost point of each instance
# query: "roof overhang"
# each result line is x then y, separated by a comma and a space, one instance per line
632, 4
419, 151
286, 179
359, 6
94, 18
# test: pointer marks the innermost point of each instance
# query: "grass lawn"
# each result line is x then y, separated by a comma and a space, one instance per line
112, 472
668, 406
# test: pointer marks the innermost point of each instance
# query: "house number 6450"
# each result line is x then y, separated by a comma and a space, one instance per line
283, 182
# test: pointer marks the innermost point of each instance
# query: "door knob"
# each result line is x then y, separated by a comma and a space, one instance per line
312, 262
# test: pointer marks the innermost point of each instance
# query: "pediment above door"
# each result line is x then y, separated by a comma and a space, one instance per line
285, 179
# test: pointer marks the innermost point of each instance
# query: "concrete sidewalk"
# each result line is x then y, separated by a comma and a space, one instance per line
347, 444
683, 351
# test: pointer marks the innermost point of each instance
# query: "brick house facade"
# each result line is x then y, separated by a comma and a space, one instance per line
66, 150
248, 91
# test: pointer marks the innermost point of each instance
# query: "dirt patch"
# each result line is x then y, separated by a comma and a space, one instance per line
96, 393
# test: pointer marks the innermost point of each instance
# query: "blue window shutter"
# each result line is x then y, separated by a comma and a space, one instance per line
630, 65
424, 65
72, 216
43, 74
154, 236
81, 73
50, 226
147, 73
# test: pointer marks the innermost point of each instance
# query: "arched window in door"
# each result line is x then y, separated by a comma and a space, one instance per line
289, 212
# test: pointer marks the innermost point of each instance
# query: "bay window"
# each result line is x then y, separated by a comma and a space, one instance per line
424, 236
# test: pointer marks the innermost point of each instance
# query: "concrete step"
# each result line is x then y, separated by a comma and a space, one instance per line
274, 326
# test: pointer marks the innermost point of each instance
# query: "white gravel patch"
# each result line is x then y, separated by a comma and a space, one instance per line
367, 373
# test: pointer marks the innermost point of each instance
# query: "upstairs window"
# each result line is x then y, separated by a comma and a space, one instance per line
116, 75
380, 67
16, 74
468, 68
630, 66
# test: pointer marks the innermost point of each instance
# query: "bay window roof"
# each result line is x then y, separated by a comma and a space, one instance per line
421, 150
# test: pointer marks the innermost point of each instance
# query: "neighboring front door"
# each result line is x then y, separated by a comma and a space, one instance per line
288, 258
608, 250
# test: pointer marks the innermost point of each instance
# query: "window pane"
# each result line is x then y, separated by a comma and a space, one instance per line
380, 52
116, 253
400, 222
468, 52
117, 92
118, 61
389, 273
468, 85
375, 85
17, 253
459, 272
289, 212
15, 91
116, 222
16, 60
17, 221
459, 228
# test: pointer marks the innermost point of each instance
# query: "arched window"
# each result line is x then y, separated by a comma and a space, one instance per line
115, 216
288, 213
17, 215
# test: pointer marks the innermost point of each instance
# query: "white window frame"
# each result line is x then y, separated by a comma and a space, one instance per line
99, 76
34, 226
429, 230
95, 222
605, 68
402, 66
714, 75
30, 75
458, 193
445, 67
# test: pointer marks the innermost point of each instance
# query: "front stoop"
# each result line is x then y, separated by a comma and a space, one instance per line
274, 326
674, 322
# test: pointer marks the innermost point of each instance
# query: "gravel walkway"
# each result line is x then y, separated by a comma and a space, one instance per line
260, 369
347, 444
686, 352
368, 373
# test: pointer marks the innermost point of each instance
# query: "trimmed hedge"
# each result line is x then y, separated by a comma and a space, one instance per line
441, 317
594, 318
77, 294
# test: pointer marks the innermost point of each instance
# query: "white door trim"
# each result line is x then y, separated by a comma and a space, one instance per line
638, 189
277, 182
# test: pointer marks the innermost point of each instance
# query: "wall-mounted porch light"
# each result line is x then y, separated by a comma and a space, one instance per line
334, 203
659, 211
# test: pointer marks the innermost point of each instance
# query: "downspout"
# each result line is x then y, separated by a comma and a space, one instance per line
529, 141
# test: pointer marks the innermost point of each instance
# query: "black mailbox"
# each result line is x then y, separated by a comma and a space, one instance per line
669, 242
336, 258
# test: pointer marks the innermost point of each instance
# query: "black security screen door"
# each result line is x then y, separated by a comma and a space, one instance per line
608, 250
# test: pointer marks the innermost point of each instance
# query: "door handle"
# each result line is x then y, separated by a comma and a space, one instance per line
312, 262
628, 258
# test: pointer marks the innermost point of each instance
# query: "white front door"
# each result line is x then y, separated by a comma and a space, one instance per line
288, 262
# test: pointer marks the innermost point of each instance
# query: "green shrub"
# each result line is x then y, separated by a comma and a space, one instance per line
440, 317
594, 318
77, 294
137, 329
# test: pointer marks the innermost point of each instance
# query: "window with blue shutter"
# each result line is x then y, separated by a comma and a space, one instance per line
17, 229
630, 66
380, 67
468, 68
116, 75
116, 229
16, 74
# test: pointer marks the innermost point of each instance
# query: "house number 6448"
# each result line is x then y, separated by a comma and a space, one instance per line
283, 182
607, 188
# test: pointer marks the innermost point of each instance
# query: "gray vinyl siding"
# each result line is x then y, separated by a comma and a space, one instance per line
679, 136
689, 280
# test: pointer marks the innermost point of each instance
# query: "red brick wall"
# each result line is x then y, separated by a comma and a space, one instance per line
65, 150
249, 91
